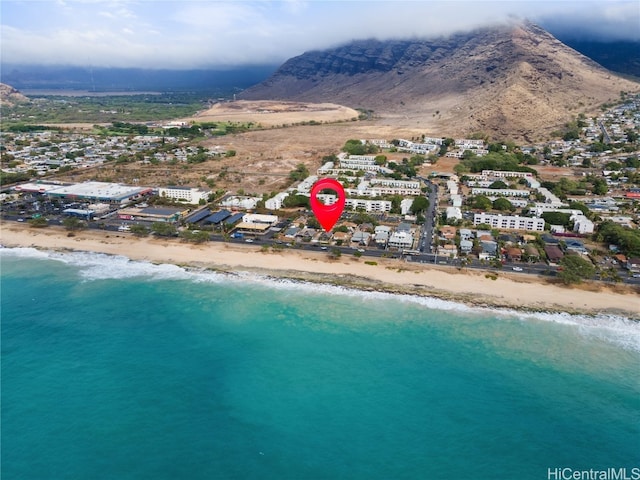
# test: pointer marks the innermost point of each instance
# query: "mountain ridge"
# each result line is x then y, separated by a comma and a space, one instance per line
515, 81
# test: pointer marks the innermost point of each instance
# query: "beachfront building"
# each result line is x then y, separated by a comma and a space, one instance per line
256, 224
400, 240
509, 222
381, 235
153, 214
187, 194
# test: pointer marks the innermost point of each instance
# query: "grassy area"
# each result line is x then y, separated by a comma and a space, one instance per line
106, 109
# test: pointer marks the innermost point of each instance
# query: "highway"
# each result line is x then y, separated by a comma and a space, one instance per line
424, 258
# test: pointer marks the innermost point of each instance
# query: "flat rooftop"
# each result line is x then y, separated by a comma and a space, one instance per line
98, 190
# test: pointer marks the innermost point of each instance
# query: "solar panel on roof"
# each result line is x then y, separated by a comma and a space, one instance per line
234, 218
196, 217
218, 216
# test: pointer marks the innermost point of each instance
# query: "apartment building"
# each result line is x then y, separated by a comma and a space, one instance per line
509, 222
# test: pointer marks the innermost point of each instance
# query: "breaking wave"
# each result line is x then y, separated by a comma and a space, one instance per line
623, 331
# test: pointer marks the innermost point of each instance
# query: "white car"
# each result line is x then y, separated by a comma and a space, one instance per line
517, 269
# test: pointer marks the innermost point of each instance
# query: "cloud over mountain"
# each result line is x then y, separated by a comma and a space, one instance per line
515, 81
197, 34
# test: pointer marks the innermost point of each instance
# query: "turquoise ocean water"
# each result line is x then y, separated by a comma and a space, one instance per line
113, 369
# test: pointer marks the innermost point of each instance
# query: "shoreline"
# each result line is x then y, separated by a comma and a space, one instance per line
519, 292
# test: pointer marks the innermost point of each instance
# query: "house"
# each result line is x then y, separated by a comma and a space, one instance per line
575, 246
381, 235
513, 254
466, 234
342, 237
448, 232
633, 264
531, 251
466, 246
508, 238
454, 213
361, 238
291, 232
489, 250
620, 258
554, 254
448, 250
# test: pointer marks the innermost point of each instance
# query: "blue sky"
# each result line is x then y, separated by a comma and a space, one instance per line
208, 33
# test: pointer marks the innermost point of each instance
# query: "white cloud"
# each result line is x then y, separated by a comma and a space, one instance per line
202, 33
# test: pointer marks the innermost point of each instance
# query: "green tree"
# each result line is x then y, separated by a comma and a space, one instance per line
194, 236
139, 230
575, 269
482, 202
503, 204
599, 186
38, 222
299, 173
164, 229
419, 205
498, 184
73, 223
557, 218
296, 201
579, 206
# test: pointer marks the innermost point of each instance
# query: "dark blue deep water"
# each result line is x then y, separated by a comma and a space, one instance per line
113, 369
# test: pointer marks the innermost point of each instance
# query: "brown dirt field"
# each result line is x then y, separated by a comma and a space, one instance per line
271, 113
263, 158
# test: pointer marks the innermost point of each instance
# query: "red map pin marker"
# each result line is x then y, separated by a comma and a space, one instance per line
327, 215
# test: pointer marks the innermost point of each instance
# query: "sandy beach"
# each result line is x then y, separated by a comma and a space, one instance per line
509, 290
